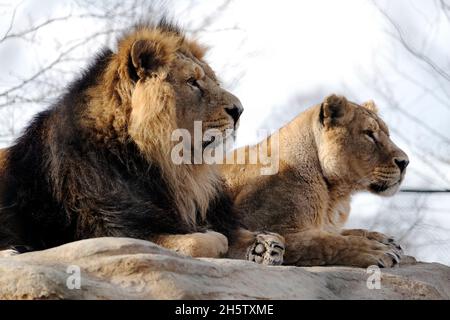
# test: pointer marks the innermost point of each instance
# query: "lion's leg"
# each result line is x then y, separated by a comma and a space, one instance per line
207, 245
317, 247
260, 247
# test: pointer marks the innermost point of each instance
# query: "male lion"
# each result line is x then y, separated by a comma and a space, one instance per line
326, 154
98, 162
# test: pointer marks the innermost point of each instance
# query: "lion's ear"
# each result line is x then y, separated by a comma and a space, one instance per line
334, 110
370, 105
147, 57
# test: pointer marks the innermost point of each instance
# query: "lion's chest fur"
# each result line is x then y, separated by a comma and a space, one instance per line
193, 189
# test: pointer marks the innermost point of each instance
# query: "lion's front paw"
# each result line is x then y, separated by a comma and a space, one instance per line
210, 244
268, 249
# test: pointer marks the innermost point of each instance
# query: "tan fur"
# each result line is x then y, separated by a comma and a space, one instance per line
321, 166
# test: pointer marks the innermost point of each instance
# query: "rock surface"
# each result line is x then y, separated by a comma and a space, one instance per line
121, 268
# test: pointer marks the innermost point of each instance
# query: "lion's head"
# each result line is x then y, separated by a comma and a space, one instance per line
172, 86
355, 146
157, 81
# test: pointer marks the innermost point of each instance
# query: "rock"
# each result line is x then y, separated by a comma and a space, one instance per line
121, 268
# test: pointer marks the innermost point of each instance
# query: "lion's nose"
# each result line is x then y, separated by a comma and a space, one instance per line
235, 111
401, 163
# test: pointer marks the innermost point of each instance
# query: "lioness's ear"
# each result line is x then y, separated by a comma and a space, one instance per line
370, 105
147, 56
334, 110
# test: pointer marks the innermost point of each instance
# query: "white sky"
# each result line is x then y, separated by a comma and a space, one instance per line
298, 46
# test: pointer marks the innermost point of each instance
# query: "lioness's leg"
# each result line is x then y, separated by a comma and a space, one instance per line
317, 247
260, 247
207, 245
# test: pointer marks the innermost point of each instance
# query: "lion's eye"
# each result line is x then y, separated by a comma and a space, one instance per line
193, 82
369, 134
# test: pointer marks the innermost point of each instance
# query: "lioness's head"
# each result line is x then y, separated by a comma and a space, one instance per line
354, 146
172, 87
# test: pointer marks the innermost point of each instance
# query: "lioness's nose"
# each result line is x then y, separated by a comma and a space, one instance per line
401, 163
235, 111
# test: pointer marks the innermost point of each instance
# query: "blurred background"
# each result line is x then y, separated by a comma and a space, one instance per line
279, 58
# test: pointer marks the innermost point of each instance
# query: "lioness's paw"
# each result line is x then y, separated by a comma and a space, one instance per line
389, 259
385, 239
382, 255
268, 249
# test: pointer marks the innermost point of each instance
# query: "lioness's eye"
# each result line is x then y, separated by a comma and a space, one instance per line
370, 135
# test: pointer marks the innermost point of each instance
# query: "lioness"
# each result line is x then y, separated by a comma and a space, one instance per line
98, 162
326, 154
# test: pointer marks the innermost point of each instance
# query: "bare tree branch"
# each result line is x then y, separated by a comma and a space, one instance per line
13, 18
418, 55
46, 82
57, 60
